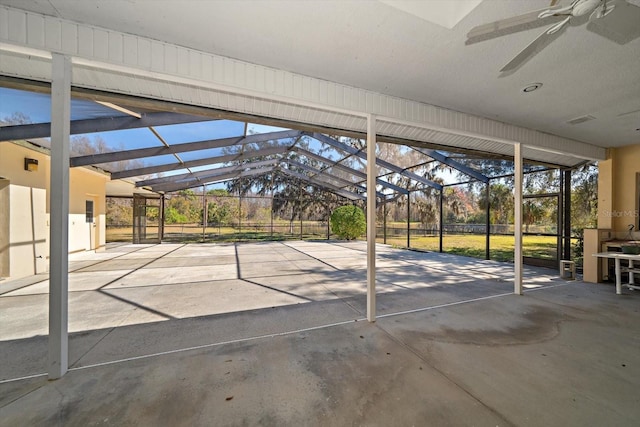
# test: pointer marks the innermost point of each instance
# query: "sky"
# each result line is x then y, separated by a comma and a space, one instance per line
37, 108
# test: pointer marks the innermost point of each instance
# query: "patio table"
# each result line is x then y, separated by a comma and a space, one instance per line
617, 256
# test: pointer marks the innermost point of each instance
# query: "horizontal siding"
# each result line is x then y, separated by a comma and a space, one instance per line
240, 85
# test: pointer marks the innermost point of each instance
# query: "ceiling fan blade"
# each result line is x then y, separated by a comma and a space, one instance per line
511, 25
622, 25
534, 47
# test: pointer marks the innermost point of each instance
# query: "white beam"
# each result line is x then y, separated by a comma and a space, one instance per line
59, 219
517, 190
371, 218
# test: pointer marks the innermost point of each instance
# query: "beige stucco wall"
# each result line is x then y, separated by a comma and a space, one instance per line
26, 245
618, 188
618, 199
4, 227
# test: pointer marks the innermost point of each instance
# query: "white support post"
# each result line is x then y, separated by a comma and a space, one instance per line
371, 218
59, 216
517, 161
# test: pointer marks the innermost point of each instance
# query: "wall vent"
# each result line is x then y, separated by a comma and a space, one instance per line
581, 119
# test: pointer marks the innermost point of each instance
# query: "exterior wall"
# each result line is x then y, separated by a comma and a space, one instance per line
618, 206
27, 243
618, 190
4, 227
86, 185
627, 165
24, 247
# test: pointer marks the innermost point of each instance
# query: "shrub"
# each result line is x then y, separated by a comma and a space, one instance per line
348, 222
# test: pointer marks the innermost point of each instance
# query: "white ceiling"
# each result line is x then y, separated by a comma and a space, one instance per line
378, 46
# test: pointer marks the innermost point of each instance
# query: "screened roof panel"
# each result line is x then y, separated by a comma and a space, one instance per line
343, 174
399, 165
117, 140
36, 107
189, 132
203, 154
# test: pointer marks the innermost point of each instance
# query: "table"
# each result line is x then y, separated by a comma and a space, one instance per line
617, 256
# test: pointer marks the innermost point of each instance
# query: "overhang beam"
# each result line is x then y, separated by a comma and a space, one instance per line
104, 124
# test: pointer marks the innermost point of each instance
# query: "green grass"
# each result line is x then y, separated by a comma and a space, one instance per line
193, 233
472, 245
500, 247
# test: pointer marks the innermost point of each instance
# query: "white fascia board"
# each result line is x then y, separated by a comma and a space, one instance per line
126, 62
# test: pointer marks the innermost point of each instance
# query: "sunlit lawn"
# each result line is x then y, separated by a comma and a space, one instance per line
189, 233
473, 245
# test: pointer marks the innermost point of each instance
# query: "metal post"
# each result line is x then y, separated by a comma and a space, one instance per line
487, 252
204, 215
328, 228
560, 221
161, 231
300, 213
441, 218
371, 218
409, 219
240, 210
567, 214
59, 217
384, 221
517, 160
272, 193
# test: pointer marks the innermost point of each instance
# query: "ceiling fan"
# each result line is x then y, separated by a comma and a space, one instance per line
617, 20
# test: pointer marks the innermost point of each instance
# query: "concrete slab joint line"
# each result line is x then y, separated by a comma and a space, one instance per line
447, 346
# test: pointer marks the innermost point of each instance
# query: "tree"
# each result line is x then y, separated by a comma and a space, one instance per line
83, 145
183, 207
501, 203
584, 197
221, 208
348, 222
531, 214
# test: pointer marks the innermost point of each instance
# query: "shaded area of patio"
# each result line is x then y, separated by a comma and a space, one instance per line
274, 334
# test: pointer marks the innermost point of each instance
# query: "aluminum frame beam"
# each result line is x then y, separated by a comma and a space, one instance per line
319, 174
140, 153
202, 176
149, 170
213, 179
453, 163
336, 164
103, 124
344, 193
203, 173
344, 147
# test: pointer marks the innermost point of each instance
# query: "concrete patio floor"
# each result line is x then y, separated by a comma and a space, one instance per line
274, 334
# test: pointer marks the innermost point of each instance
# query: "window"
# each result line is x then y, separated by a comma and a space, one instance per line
89, 210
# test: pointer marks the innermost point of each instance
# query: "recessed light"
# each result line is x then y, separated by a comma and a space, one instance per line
532, 87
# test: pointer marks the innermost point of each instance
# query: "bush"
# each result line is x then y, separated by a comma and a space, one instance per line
348, 222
